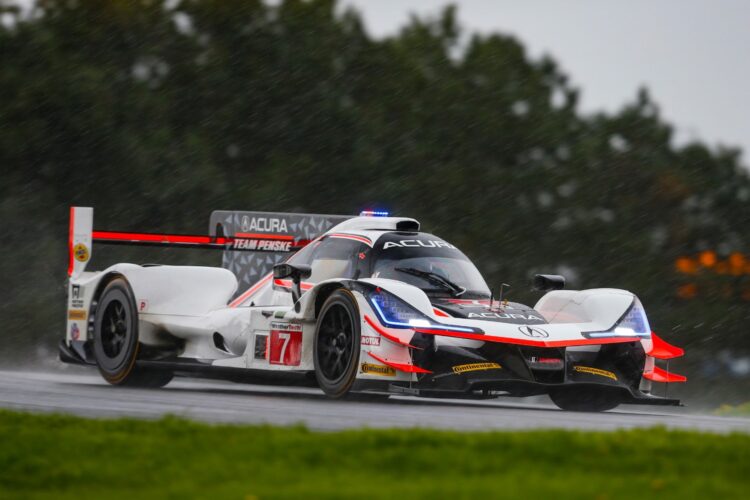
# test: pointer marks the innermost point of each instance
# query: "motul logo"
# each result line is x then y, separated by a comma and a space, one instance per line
263, 225
417, 243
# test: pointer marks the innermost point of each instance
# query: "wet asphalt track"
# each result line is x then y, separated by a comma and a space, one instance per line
82, 392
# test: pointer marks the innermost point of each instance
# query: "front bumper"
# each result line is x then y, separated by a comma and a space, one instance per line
504, 369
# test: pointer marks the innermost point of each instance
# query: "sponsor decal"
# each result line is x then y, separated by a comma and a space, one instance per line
476, 367
142, 305
262, 245
75, 332
532, 331
367, 340
529, 317
263, 225
545, 361
417, 243
383, 370
261, 346
76, 314
471, 302
76, 302
287, 327
81, 252
362, 255
595, 371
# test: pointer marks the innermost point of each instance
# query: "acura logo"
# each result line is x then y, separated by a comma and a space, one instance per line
530, 331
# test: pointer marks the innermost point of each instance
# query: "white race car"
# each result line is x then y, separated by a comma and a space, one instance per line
346, 303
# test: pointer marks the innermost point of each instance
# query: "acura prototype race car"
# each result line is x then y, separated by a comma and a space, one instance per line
351, 304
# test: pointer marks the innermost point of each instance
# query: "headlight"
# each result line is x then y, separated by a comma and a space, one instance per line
633, 323
395, 313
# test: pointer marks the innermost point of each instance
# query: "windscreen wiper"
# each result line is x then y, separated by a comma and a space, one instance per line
435, 279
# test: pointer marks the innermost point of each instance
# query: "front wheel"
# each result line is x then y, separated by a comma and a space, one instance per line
116, 343
590, 399
336, 346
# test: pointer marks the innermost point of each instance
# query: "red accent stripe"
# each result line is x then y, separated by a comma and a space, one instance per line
387, 335
404, 367
354, 237
263, 236
536, 343
159, 238
71, 262
440, 313
186, 239
659, 375
662, 349
301, 243
250, 291
288, 284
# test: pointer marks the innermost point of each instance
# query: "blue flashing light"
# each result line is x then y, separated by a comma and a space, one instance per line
373, 213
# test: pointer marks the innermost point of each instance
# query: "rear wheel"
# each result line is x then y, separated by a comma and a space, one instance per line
584, 398
116, 343
337, 338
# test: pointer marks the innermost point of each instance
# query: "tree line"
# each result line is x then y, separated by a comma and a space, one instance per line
157, 113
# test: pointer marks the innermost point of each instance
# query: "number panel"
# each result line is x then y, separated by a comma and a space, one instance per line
285, 347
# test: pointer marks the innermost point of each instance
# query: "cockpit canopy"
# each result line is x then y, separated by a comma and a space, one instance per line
420, 259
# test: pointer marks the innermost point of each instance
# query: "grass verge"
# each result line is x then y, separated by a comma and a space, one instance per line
50, 456
742, 410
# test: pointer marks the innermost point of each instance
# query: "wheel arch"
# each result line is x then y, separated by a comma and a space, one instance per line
320, 293
105, 280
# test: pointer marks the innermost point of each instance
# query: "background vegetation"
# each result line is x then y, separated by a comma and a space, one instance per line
158, 112
61, 457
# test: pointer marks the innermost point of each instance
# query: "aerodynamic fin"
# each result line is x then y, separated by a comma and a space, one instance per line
662, 349
79, 239
403, 367
659, 375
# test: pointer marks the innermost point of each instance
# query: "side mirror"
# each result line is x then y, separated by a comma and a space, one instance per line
296, 273
281, 271
548, 282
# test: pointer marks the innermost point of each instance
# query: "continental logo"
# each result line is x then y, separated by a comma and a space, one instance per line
385, 371
476, 367
76, 314
594, 371
81, 252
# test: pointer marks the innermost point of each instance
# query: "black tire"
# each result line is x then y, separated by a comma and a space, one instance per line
589, 399
116, 343
337, 343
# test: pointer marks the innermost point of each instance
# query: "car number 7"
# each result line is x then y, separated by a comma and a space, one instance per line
285, 337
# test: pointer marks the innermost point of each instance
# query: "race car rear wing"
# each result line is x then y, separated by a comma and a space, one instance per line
251, 242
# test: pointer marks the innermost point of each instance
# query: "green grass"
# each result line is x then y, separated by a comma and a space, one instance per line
742, 410
67, 457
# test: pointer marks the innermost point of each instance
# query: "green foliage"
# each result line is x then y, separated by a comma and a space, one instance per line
157, 113
741, 410
68, 457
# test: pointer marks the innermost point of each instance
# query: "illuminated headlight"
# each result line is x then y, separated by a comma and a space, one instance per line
395, 313
633, 323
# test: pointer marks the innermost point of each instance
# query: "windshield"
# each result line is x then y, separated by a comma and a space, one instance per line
424, 260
